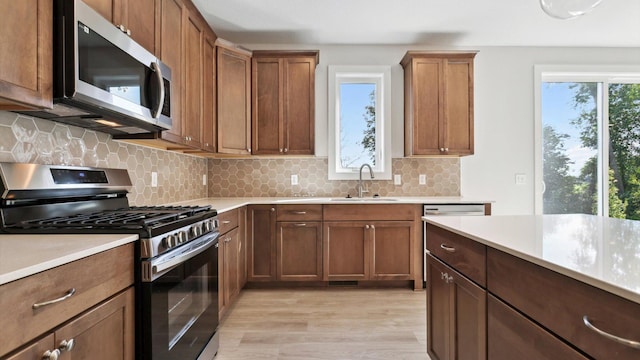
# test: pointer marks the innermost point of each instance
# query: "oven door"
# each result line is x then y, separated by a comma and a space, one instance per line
180, 303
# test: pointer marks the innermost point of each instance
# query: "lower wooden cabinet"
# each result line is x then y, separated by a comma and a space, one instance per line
299, 251
105, 332
513, 336
261, 232
456, 314
231, 257
231, 274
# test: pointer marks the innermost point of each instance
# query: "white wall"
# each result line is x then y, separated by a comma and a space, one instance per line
504, 110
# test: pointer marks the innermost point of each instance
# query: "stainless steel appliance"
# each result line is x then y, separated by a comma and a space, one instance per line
103, 80
177, 257
446, 210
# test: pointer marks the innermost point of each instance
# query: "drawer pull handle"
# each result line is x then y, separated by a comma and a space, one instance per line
225, 222
51, 302
447, 248
299, 212
623, 341
300, 224
51, 355
67, 345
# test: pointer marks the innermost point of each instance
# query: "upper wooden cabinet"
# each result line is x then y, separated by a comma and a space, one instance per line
233, 99
283, 102
136, 17
208, 133
26, 54
438, 103
193, 79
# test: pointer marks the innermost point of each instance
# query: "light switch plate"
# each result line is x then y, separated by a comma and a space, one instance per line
294, 179
154, 179
397, 179
422, 179
521, 179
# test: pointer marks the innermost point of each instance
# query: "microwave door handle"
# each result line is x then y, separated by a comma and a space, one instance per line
156, 68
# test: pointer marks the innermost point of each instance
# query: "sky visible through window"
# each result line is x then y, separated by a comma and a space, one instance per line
354, 98
558, 111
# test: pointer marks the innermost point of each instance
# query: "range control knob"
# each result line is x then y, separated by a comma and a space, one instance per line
167, 242
208, 225
196, 230
181, 237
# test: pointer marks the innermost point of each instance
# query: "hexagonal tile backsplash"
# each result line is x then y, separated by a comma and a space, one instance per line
32, 140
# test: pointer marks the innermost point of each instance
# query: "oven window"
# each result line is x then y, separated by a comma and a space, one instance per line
186, 302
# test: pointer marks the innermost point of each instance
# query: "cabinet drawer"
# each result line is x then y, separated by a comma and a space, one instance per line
464, 255
228, 220
560, 304
299, 212
513, 336
94, 279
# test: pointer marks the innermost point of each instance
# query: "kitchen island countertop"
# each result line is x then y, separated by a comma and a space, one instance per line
599, 251
25, 255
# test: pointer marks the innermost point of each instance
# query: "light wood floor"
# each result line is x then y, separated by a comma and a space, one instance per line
325, 324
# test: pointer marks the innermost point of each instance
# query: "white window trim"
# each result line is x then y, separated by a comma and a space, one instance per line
576, 73
381, 75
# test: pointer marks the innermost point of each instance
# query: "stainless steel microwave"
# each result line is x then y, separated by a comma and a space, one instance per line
103, 79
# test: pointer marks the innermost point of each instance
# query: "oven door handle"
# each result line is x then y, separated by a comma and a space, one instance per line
162, 264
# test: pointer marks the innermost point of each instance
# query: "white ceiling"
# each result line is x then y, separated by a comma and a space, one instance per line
419, 22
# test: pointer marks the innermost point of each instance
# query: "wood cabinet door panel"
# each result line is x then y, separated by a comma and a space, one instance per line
513, 336
104, 7
299, 106
428, 88
392, 250
209, 124
261, 257
35, 350
231, 246
458, 106
470, 319
439, 310
242, 239
346, 251
299, 251
141, 18
104, 333
559, 303
171, 50
267, 120
234, 92
193, 60
26, 77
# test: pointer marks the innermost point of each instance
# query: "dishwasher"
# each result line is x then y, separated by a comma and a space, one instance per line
476, 209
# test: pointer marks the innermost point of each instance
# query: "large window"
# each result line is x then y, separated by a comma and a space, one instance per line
588, 142
359, 130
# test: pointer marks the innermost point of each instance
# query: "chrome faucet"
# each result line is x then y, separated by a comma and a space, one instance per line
360, 187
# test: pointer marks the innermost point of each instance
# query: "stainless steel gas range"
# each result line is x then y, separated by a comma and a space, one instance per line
177, 257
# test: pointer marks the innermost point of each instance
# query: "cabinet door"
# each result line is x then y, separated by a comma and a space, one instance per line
458, 106
299, 105
231, 274
469, 318
346, 250
242, 243
392, 250
234, 107
26, 54
439, 310
267, 106
208, 135
261, 245
105, 8
140, 17
299, 251
426, 91
193, 59
171, 50
106, 332
36, 349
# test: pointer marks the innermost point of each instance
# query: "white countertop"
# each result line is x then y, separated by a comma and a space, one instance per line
599, 251
226, 204
25, 255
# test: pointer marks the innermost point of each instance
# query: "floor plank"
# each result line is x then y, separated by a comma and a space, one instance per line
349, 324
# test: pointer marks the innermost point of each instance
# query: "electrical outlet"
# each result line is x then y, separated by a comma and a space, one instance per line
521, 179
204, 179
422, 179
294, 179
154, 179
397, 179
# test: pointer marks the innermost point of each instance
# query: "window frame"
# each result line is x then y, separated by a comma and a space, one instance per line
381, 76
579, 73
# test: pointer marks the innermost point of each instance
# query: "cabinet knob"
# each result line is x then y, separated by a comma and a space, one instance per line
280, 150
286, 150
67, 345
273, 209
446, 149
373, 227
441, 149
366, 226
51, 355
